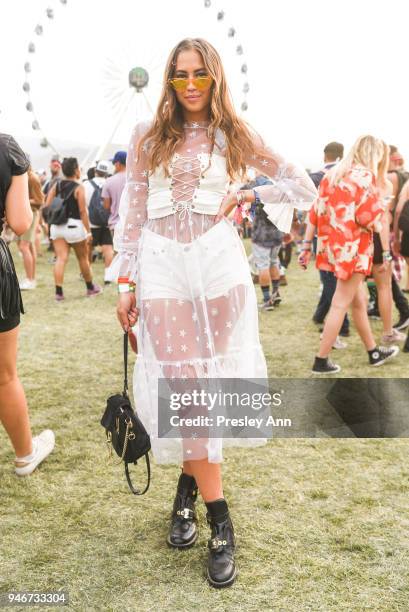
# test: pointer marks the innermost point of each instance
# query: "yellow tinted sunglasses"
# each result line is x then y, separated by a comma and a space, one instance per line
181, 83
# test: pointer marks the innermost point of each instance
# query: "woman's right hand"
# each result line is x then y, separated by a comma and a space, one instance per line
126, 310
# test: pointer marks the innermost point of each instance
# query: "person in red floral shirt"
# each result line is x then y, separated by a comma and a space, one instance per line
348, 208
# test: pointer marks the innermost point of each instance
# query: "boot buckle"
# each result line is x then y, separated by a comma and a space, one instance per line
215, 544
186, 513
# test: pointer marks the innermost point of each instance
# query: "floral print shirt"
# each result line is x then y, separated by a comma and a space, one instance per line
344, 215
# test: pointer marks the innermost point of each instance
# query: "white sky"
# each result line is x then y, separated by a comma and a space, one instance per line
318, 70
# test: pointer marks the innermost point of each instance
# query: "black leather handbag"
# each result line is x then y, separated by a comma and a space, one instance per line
124, 430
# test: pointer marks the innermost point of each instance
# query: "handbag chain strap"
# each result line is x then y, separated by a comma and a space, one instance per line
129, 425
128, 436
125, 392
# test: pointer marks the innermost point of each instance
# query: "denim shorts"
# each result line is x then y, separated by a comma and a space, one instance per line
209, 266
265, 257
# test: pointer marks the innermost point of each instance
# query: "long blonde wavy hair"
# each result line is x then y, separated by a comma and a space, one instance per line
384, 164
167, 127
370, 152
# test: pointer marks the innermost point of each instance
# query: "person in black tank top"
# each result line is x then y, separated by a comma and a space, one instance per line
76, 232
65, 190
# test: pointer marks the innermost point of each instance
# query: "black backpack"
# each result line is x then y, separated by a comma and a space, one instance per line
58, 211
98, 215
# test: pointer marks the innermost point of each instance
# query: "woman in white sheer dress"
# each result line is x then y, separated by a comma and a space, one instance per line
194, 299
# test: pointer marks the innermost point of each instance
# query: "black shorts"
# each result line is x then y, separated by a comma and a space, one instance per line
377, 249
404, 245
9, 323
13, 304
101, 236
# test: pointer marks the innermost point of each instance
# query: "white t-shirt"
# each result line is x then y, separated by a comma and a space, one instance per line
89, 190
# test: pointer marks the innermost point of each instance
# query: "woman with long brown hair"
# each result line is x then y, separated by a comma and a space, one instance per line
183, 273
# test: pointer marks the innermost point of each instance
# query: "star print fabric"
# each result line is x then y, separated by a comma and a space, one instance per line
198, 320
291, 188
198, 309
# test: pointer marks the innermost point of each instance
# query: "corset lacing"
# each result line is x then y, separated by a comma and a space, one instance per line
185, 180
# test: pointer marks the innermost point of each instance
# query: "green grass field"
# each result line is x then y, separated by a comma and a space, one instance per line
322, 524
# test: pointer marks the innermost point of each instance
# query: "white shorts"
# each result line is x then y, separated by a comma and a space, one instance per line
73, 231
209, 266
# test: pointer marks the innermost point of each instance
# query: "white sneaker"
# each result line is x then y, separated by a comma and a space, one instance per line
26, 284
338, 344
43, 445
395, 336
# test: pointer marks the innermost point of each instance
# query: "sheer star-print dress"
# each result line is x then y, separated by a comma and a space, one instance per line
198, 310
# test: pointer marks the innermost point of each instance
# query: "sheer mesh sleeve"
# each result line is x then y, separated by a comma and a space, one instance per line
132, 208
291, 186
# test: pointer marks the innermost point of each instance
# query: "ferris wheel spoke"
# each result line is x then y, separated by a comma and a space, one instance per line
114, 98
156, 62
127, 99
148, 103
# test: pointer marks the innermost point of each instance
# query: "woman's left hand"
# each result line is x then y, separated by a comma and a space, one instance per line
228, 203
384, 267
304, 258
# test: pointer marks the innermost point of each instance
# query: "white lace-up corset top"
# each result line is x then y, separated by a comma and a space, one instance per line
197, 183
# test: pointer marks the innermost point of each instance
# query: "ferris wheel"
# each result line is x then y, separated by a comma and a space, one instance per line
112, 75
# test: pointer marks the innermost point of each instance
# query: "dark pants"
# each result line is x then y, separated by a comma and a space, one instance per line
329, 284
285, 253
399, 298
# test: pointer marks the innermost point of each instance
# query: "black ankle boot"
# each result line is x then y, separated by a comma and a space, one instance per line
221, 569
183, 529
